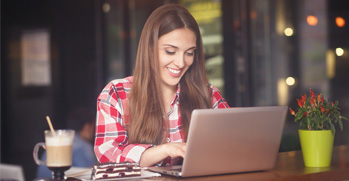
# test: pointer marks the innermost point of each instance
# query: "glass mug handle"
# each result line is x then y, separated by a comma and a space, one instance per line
36, 151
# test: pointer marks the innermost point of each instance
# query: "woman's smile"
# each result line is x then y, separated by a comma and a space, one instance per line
174, 72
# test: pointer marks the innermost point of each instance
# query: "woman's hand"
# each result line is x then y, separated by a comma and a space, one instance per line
175, 149
158, 153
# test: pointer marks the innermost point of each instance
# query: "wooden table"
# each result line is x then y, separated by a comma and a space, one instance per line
289, 167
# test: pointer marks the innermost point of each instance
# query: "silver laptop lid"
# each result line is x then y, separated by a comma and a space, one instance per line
233, 140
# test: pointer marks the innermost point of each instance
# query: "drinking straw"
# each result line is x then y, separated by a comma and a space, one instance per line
50, 124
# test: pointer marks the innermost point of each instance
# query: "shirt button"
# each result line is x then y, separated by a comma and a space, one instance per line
168, 140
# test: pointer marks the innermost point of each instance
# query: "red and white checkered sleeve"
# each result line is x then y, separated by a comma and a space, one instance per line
111, 142
218, 101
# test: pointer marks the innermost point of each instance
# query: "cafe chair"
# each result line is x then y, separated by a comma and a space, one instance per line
11, 172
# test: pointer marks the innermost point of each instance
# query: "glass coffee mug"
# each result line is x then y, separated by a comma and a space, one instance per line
58, 150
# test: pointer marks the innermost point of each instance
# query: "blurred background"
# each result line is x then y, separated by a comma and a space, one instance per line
58, 55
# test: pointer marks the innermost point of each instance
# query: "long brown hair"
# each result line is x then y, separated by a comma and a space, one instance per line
147, 123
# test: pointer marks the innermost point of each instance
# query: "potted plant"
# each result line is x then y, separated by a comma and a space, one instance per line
317, 120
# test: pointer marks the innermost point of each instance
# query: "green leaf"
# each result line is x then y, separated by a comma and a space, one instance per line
333, 130
340, 124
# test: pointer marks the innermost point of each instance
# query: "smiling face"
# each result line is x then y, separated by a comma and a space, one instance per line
176, 55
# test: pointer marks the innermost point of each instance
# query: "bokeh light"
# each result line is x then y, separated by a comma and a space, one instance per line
106, 7
288, 31
339, 51
312, 20
340, 21
290, 81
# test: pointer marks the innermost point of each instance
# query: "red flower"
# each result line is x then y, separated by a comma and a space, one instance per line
300, 103
319, 97
312, 95
292, 112
305, 114
304, 98
322, 99
322, 108
312, 102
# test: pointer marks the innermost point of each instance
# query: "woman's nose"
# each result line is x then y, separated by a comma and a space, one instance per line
180, 60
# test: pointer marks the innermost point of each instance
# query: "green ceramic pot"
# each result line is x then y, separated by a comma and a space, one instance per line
317, 146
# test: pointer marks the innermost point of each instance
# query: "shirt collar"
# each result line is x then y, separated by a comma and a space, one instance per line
176, 97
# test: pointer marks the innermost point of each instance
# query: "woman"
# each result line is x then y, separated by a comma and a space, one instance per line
145, 118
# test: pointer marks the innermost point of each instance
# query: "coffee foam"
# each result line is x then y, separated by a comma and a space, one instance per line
62, 140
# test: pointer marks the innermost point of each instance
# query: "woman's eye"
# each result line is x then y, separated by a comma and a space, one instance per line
190, 53
169, 52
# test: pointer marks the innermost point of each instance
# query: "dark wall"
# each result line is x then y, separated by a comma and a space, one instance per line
74, 49
74, 68
339, 85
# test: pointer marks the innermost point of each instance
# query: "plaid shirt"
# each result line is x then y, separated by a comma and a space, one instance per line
112, 144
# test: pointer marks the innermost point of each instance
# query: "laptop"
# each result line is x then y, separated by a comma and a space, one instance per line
234, 140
